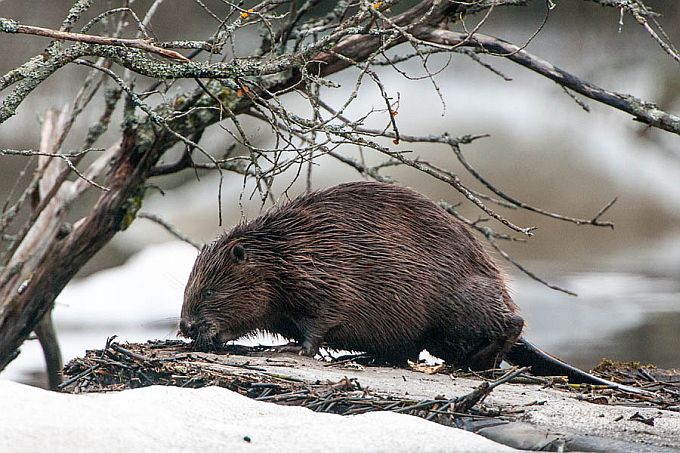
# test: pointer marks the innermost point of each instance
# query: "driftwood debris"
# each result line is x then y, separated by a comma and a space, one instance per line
172, 363
496, 407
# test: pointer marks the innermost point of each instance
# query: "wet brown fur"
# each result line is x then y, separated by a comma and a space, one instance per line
361, 266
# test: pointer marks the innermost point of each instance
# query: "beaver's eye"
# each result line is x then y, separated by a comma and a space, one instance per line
208, 293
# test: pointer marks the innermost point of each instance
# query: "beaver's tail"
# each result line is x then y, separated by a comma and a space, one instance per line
524, 353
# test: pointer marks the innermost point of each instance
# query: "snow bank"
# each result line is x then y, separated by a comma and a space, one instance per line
169, 419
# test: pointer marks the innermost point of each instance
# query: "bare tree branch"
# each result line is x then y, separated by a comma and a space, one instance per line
642, 111
11, 26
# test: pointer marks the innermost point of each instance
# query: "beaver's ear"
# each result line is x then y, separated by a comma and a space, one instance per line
238, 253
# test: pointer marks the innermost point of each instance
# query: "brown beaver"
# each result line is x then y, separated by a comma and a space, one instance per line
362, 266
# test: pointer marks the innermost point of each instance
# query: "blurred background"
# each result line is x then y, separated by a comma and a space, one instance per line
543, 149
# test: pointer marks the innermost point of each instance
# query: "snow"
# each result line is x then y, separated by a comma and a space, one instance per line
169, 419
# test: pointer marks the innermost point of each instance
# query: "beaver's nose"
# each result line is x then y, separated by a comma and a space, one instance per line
187, 328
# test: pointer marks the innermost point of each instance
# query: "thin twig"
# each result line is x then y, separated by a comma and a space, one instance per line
170, 227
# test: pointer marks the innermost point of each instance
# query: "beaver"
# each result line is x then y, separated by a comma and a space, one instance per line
362, 266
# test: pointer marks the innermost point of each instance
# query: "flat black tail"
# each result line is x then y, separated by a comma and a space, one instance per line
524, 353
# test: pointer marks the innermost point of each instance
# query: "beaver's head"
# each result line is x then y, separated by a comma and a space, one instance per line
227, 295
